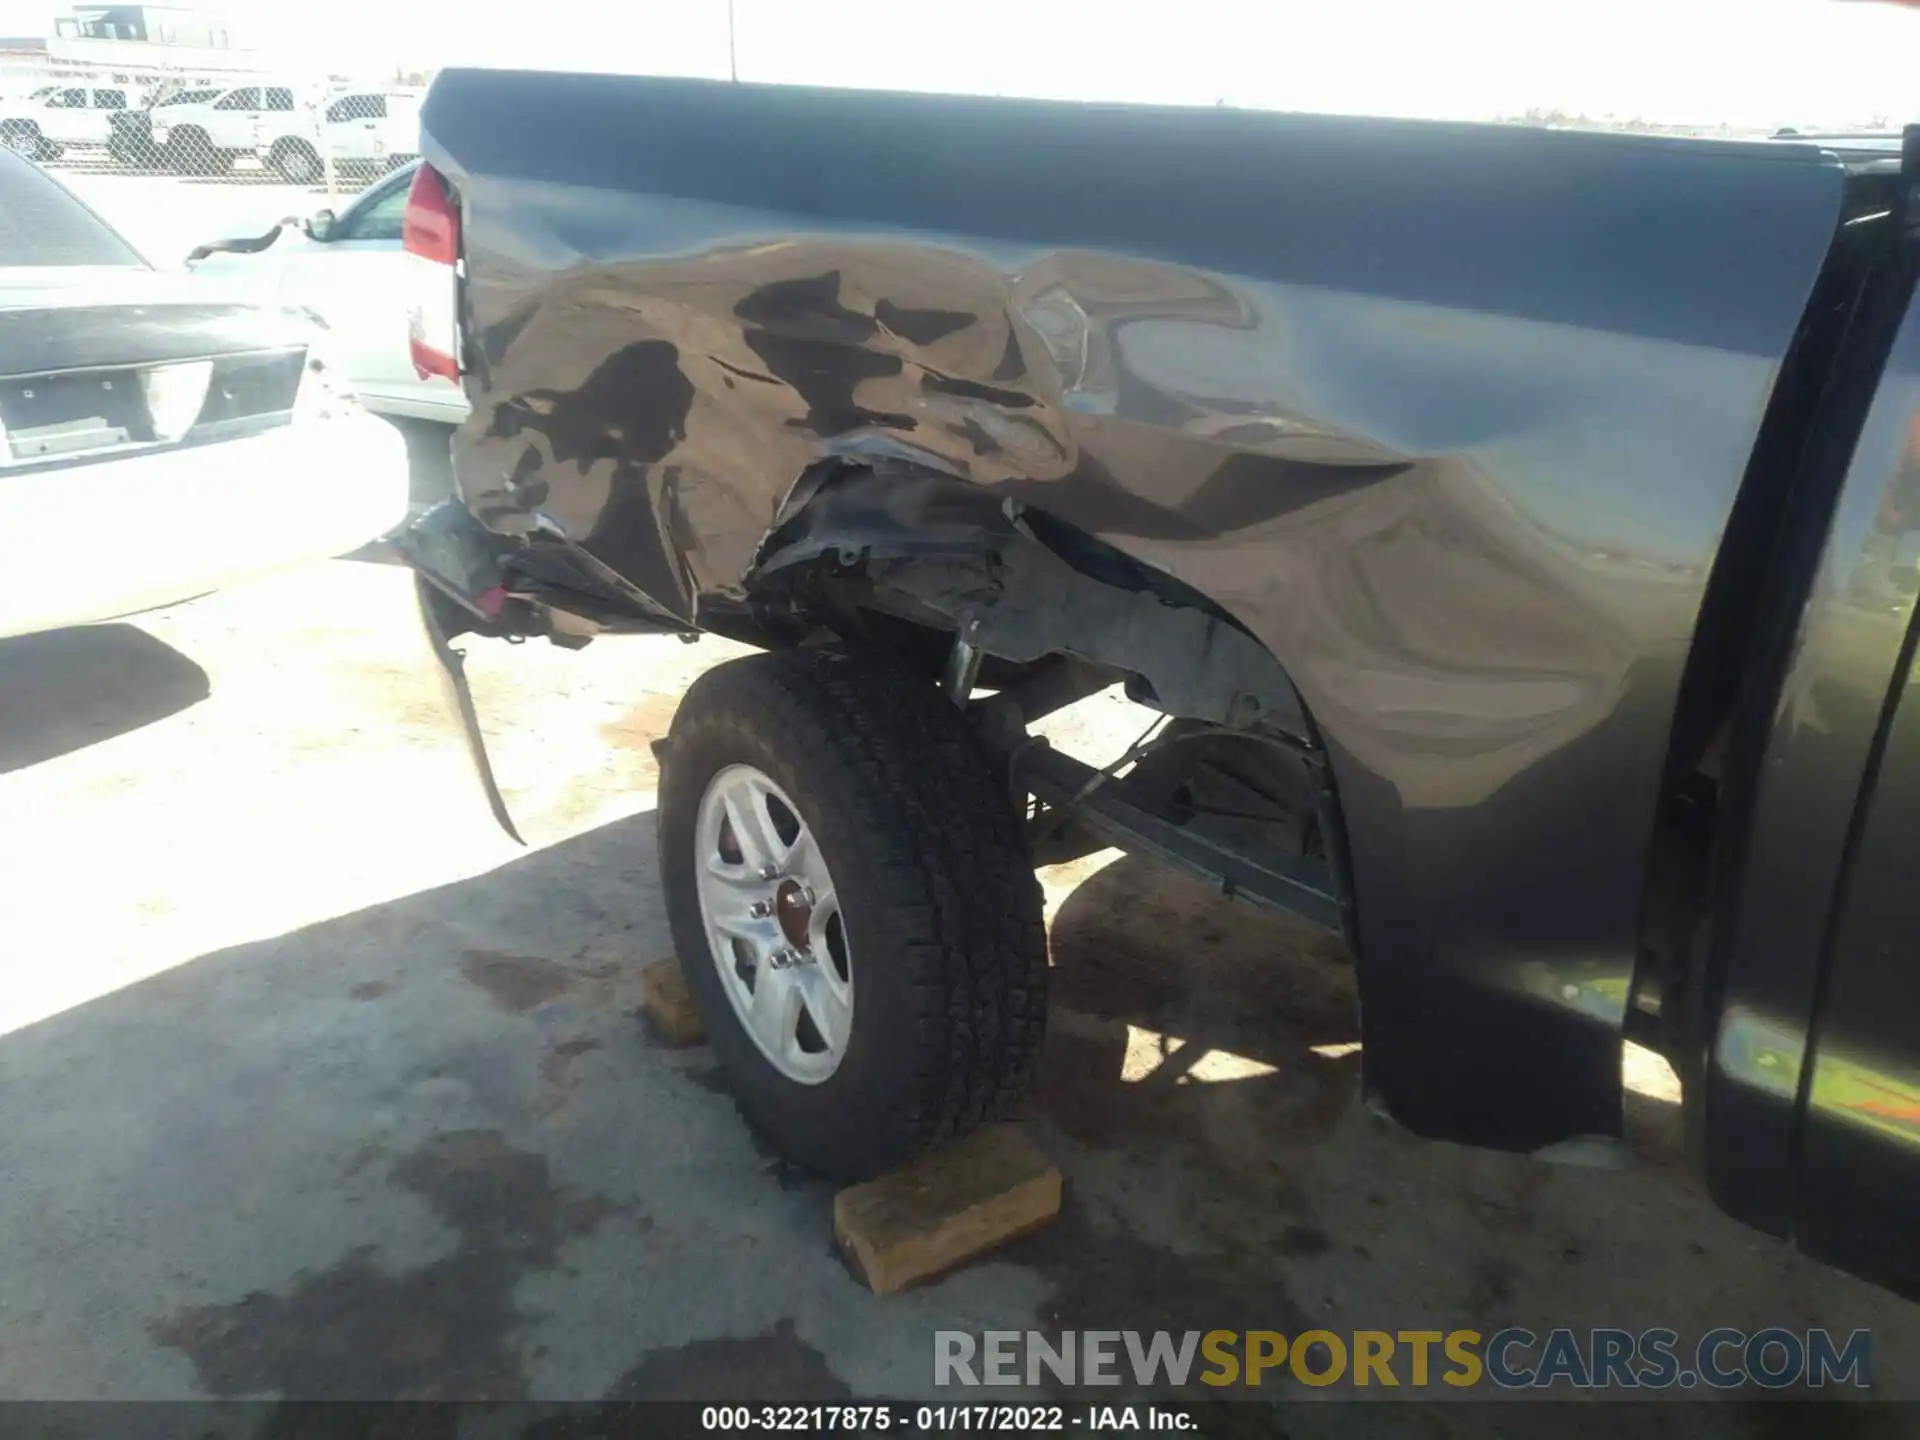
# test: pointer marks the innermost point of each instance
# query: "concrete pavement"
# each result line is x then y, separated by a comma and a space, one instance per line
313, 1085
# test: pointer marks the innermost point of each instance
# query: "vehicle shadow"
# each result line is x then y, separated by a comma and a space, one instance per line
1200, 1062
474, 1048
1176, 1013
67, 689
449, 1162
471, 1046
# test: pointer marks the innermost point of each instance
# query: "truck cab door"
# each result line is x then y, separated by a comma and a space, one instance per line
273, 119
355, 127
105, 103
232, 122
1857, 1186
64, 120
370, 128
402, 127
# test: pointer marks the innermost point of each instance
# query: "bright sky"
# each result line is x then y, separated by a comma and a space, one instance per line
1741, 62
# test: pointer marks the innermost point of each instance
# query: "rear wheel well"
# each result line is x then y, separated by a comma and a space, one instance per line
936, 575
911, 558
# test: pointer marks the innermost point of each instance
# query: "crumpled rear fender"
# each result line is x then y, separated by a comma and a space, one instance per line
1449, 420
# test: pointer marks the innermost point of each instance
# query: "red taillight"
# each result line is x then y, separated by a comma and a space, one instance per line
431, 228
430, 234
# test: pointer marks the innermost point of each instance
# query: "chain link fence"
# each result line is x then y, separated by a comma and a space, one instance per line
151, 145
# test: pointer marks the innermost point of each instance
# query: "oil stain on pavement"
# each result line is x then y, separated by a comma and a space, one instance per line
446, 1330
517, 983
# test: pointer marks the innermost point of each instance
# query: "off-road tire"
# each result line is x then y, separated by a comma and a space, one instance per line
943, 915
191, 152
297, 162
23, 138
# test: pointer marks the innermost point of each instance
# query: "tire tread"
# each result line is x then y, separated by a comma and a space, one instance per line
962, 893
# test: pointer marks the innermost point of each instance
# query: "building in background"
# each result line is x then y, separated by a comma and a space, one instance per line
145, 24
128, 43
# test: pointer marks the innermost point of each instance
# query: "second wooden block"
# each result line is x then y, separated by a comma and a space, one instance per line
668, 1004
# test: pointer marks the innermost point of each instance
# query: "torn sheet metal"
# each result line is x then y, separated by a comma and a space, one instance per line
1449, 418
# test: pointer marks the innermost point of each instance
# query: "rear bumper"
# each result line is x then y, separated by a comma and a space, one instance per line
85, 543
451, 410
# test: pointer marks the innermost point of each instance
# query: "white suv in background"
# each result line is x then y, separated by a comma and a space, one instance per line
357, 130
63, 116
204, 139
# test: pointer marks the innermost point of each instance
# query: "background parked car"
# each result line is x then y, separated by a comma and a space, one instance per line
359, 131
351, 270
180, 437
65, 116
204, 139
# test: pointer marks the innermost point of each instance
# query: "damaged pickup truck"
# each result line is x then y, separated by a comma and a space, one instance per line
1514, 529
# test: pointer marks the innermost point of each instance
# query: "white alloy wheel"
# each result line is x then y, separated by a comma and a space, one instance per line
298, 165
773, 923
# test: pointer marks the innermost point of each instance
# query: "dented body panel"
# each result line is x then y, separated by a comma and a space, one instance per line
1450, 419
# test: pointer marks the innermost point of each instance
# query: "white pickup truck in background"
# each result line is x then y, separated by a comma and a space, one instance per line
56, 118
294, 134
356, 130
205, 139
